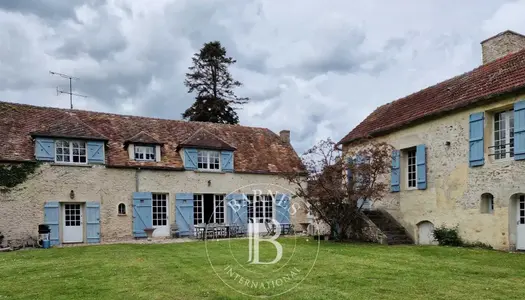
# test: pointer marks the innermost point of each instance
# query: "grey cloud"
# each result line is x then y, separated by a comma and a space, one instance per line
47, 9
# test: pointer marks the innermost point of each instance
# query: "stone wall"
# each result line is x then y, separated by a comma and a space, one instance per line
454, 190
22, 208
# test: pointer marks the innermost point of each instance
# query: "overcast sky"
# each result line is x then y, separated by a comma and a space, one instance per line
314, 67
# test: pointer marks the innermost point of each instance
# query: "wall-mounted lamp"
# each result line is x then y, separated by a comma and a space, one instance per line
209, 182
72, 194
447, 143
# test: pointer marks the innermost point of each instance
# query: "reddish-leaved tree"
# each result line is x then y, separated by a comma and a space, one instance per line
337, 185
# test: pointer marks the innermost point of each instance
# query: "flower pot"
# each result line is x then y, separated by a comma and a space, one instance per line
149, 232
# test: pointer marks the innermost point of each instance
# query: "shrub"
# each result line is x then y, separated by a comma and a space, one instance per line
478, 244
447, 236
1, 238
450, 237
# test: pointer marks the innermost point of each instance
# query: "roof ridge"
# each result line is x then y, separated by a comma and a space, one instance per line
126, 115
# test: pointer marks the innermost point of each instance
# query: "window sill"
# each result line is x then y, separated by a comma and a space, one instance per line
122, 215
209, 171
71, 165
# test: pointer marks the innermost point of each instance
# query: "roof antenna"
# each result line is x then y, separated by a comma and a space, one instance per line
70, 93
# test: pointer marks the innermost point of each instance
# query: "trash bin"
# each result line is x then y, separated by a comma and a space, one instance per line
44, 236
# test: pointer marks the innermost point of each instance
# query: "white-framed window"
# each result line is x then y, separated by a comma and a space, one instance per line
219, 216
504, 134
411, 169
145, 153
160, 209
70, 151
260, 208
487, 203
198, 209
208, 160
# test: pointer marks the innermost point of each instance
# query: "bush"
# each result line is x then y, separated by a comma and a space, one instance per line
447, 236
478, 244
450, 237
1, 238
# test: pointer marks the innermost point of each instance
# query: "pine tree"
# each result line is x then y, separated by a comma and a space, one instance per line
213, 84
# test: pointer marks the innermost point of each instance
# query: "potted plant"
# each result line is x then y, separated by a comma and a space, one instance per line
149, 232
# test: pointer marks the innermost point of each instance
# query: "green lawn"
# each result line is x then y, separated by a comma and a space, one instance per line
182, 271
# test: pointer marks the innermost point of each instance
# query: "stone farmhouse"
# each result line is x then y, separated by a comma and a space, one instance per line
460, 151
104, 177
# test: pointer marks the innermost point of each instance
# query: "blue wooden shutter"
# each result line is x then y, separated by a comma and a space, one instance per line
95, 152
282, 208
93, 222
421, 165
190, 159
51, 218
184, 213
227, 161
142, 213
519, 130
395, 177
476, 155
44, 149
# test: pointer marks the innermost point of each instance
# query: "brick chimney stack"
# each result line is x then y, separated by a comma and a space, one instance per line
285, 136
502, 44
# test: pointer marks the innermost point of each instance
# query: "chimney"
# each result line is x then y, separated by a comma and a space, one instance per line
285, 136
502, 44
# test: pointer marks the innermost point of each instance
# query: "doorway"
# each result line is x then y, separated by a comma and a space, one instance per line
73, 228
160, 213
425, 233
520, 221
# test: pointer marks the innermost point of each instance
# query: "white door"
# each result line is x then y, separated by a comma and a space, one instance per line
426, 233
520, 232
73, 229
260, 213
160, 215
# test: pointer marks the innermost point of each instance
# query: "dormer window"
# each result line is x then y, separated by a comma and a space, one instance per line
70, 152
208, 160
145, 153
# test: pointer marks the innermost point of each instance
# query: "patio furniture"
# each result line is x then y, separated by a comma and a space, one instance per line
270, 228
200, 230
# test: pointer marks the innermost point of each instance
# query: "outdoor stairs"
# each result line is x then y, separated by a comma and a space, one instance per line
395, 233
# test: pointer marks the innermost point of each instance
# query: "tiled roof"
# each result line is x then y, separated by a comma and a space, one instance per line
71, 127
258, 150
143, 138
499, 77
202, 138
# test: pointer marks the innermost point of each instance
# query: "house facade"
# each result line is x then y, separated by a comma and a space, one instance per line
103, 177
459, 157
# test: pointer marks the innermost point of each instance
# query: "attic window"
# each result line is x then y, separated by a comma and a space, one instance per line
145, 153
70, 152
208, 160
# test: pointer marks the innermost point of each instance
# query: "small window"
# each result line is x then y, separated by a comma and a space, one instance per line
70, 152
411, 169
487, 203
145, 153
208, 160
504, 134
122, 209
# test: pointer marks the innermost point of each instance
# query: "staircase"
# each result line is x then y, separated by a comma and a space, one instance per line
395, 233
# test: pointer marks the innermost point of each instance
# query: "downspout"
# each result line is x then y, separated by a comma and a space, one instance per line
137, 179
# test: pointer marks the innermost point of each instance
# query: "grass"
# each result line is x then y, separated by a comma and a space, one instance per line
182, 271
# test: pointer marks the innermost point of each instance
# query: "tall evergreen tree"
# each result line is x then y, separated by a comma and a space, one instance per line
213, 84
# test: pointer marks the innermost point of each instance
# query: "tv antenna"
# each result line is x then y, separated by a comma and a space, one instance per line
70, 93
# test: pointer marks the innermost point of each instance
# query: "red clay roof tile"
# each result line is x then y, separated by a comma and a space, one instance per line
501, 76
258, 150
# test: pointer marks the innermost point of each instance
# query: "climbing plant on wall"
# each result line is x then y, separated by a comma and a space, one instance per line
13, 174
